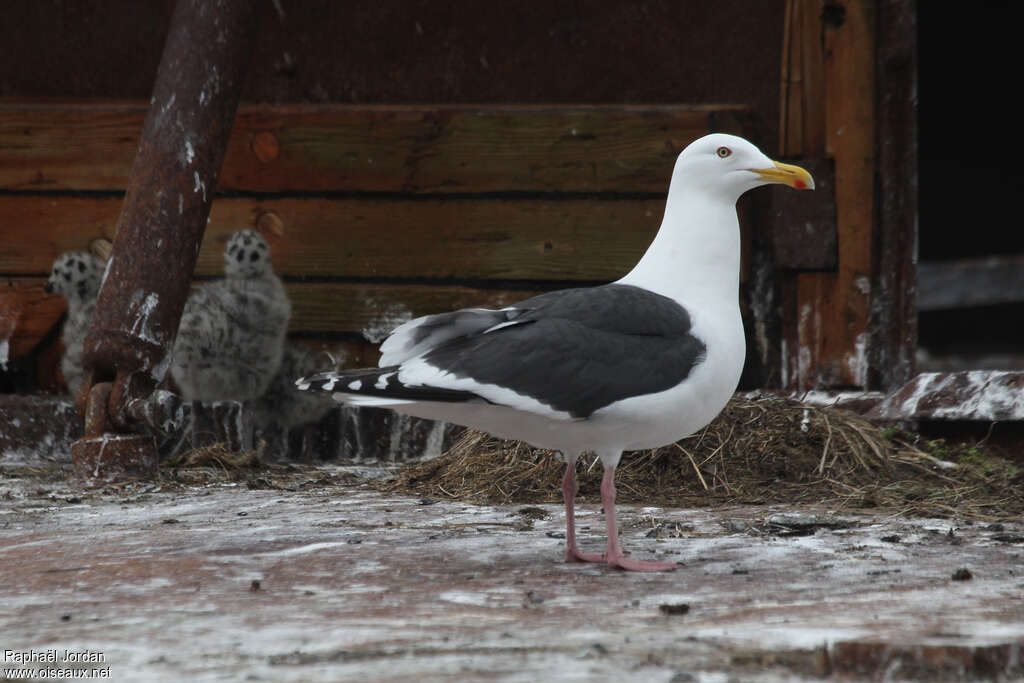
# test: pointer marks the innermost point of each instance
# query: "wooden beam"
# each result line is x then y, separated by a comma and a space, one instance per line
376, 309
985, 395
945, 285
895, 284
318, 308
360, 148
803, 224
533, 239
802, 125
825, 327
27, 314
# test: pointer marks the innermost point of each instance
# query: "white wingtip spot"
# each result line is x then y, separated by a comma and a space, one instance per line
501, 325
302, 384
356, 385
329, 386
382, 381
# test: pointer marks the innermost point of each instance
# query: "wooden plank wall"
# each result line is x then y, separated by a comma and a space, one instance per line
374, 213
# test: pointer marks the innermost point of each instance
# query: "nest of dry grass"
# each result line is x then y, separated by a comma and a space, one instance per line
216, 463
219, 463
219, 456
768, 450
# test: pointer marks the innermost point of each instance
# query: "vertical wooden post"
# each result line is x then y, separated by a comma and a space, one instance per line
830, 110
894, 287
802, 130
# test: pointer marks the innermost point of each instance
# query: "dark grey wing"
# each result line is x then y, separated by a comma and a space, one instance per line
620, 308
580, 350
430, 331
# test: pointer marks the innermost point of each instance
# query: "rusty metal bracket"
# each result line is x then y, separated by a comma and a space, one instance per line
170, 190
100, 456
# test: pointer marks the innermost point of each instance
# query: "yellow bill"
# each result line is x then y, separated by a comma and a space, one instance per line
786, 174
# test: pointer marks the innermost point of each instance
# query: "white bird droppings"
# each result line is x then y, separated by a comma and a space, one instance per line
199, 184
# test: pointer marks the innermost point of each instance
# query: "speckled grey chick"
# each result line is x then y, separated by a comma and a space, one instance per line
232, 331
283, 403
283, 407
76, 276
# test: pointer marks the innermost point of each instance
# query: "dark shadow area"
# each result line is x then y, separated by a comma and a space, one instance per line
970, 171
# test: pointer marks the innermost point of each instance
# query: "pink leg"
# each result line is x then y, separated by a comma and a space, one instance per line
613, 555
572, 553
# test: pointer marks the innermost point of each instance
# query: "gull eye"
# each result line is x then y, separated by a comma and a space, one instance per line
723, 152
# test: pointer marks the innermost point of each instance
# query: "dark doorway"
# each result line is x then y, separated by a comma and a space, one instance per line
971, 249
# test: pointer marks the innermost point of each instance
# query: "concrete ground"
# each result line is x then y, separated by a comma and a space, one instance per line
322, 579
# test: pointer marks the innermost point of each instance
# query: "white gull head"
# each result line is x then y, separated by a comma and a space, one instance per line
696, 253
728, 166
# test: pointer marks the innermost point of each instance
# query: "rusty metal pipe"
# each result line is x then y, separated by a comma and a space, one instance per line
170, 191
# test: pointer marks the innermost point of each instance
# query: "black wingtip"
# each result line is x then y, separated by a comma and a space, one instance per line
382, 382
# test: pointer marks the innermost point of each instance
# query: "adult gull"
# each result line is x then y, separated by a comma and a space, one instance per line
635, 364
